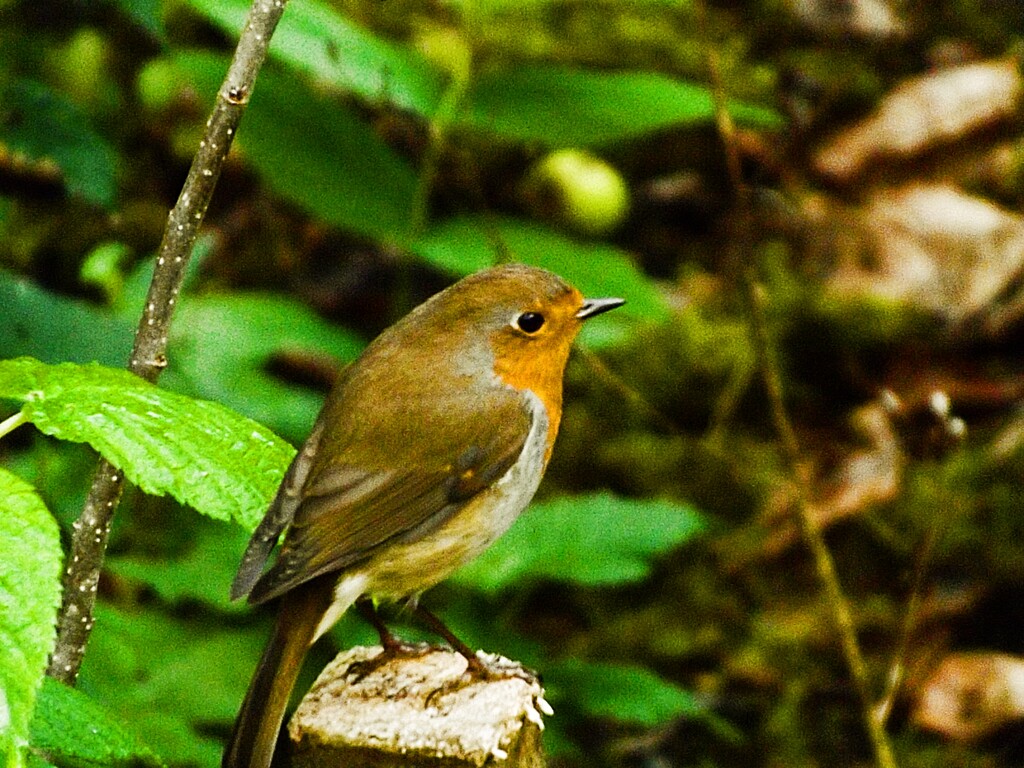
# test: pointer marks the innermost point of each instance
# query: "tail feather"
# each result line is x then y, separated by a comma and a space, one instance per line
255, 732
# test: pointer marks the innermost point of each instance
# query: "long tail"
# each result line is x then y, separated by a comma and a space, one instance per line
254, 736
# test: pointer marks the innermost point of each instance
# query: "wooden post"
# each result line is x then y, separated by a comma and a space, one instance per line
419, 712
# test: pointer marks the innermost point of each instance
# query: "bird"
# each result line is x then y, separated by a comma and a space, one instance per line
426, 450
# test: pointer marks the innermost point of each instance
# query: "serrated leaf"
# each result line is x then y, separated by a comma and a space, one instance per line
199, 452
466, 244
598, 539
73, 731
313, 38
626, 693
221, 344
44, 125
564, 106
55, 329
314, 151
30, 557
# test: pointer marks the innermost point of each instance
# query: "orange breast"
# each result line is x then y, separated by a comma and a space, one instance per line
540, 376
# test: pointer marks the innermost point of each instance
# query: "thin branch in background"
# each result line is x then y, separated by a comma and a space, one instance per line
630, 394
950, 433
460, 76
898, 665
149, 352
741, 240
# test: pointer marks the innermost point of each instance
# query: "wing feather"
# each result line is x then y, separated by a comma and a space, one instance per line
345, 511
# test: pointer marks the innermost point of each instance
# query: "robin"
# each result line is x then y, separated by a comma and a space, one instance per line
425, 452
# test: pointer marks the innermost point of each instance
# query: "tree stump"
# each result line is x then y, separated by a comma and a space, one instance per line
419, 712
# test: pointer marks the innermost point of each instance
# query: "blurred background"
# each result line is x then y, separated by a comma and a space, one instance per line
660, 583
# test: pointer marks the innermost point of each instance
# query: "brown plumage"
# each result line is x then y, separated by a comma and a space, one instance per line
426, 450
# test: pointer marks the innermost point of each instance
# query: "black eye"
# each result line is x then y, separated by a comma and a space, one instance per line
530, 322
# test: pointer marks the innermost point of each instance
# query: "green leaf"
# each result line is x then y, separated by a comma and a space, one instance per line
199, 573
102, 267
33, 760
44, 125
599, 539
177, 681
147, 15
30, 556
60, 472
627, 693
223, 347
199, 452
466, 244
224, 343
56, 329
314, 38
73, 731
315, 152
563, 106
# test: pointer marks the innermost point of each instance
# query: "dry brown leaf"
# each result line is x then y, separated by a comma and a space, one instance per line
873, 19
929, 244
923, 112
971, 695
865, 477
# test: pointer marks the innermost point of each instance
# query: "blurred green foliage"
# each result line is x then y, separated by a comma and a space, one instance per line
628, 534
70, 146
69, 728
383, 154
308, 140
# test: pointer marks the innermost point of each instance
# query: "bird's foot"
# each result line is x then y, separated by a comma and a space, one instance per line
392, 649
484, 668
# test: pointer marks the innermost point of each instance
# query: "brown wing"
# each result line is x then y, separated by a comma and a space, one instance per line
344, 512
278, 517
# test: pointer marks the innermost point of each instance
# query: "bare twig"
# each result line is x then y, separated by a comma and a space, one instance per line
823, 563
950, 434
625, 390
149, 353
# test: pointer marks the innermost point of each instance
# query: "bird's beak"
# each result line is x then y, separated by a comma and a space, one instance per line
592, 307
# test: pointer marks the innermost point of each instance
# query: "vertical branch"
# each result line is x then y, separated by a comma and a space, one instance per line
772, 378
149, 352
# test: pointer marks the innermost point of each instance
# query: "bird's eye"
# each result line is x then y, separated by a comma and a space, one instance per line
529, 322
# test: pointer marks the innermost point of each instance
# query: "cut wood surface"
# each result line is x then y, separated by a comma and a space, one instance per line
419, 711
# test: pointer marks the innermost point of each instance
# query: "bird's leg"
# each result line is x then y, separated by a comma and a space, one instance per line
438, 627
476, 668
393, 646
389, 641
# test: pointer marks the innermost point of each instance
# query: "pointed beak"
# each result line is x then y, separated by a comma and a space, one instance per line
592, 307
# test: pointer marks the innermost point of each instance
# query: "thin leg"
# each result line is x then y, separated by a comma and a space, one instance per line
394, 647
369, 612
475, 668
438, 628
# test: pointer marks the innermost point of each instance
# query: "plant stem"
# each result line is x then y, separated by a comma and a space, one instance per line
897, 667
11, 423
149, 352
772, 378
